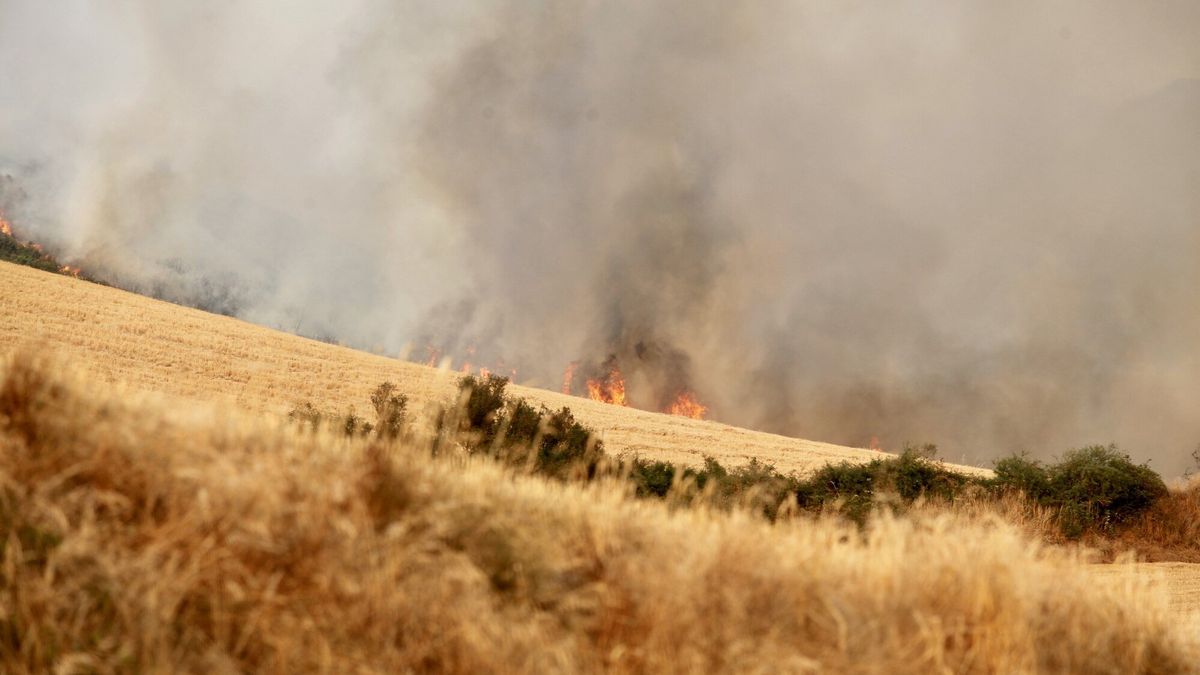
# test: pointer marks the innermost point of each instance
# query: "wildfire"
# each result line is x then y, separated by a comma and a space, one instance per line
686, 405
611, 387
433, 356
874, 444
569, 377
7, 230
466, 367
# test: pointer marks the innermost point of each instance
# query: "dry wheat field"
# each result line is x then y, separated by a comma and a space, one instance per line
161, 347
169, 519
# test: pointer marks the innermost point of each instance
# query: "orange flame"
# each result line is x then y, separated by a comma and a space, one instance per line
610, 388
6, 229
569, 377
687, 406
432, 356
874, 444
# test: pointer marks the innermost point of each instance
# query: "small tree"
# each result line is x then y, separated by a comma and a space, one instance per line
1099, 487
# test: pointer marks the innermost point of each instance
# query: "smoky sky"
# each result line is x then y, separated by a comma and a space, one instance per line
973, 224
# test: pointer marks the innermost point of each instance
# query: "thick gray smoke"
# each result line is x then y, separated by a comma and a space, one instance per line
976, 224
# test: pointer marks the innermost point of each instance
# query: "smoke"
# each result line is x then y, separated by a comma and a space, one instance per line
975, 224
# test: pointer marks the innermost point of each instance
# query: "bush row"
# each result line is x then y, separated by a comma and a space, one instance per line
1091, 489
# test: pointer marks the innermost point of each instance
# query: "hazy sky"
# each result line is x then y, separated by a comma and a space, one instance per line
974, 224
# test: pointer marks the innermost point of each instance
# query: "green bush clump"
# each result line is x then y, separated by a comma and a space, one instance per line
553, 443
1105, 484
916, 473
847, 485
756, 485
483, 405
1092, 488
1021, 474
651, 479
856, 489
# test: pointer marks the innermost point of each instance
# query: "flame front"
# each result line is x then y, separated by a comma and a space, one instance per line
610, 388
686, 405
6, 230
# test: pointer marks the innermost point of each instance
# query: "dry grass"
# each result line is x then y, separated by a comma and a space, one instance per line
160, 347
141, 538
1168, 531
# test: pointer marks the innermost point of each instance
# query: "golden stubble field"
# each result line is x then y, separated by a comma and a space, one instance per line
161, 347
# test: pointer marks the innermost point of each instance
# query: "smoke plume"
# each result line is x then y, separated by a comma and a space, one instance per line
975, 224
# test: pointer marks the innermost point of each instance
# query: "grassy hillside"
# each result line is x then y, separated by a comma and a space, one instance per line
157, 346
144, 533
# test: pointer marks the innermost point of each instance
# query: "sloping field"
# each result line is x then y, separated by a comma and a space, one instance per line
160, 347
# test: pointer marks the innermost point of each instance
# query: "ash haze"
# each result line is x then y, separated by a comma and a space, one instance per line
975, 224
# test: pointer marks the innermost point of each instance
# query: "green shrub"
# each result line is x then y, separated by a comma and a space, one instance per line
857, 488
524, 422
651, 479
1092, 488
566, 445
1020, 474
916, 473
852, 486
1098, 487
483, 401
756, 485
554, 442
